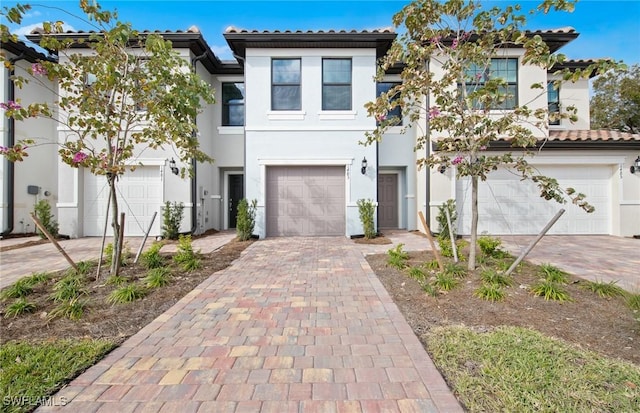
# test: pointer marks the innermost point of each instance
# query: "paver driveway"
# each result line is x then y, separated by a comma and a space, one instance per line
295, 325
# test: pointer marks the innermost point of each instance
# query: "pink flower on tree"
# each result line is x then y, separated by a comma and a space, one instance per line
381, 118
454, 44
434, 111
4, 149
457, 160
10, 105
38, 69
79, 157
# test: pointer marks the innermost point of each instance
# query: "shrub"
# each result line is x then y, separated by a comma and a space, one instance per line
604, 289
157, 277
152, 258
172, 215
445, 247
42, 210
493, 277
416, 273
19, 307
186, 257
397, 257
72, 309
488, 245
445, 281
456, 270
19, 289
126, 294
554, 274
67, 289
550, 291
366, 209
441, 218
246, 219
490, 292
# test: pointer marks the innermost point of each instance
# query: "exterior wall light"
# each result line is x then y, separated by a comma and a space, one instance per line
636, 166
173, 167
363, 169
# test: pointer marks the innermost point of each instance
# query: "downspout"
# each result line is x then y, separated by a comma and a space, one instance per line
194, 163
11, 140
427, 153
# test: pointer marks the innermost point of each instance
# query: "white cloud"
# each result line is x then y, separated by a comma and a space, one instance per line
33, 13
25, 30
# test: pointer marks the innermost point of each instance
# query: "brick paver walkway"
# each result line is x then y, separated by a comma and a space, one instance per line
295, 325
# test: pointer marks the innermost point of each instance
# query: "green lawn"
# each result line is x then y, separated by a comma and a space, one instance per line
29, 372
512, 369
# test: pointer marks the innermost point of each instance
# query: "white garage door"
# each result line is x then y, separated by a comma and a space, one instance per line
507, 205
305, 200
139, 196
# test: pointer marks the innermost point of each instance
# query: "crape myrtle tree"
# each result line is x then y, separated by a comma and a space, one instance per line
616, 100
465, 107
118, 93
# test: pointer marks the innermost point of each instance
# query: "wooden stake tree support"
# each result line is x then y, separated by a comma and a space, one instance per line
53, 241
431, 241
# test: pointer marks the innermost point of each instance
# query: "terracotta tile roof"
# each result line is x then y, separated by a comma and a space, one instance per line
596, 135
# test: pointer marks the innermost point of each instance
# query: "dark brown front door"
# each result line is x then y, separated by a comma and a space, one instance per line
236, 193
388, 200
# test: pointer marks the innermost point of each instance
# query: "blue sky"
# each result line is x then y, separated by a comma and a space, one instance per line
607, 28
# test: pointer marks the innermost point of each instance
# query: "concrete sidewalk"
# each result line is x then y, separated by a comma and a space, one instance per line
294, 325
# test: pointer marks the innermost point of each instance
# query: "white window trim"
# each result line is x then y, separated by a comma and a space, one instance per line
337, 114
286, 114
230, 130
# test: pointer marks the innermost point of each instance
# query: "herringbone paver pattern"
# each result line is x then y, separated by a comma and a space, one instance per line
295, 325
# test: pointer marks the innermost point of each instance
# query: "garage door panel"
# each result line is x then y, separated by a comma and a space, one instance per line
310, 200
508, 205
139, 196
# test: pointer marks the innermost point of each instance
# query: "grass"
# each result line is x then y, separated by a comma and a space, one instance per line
445, 281
493, 277
157, 277
32, 371
20, 289
513, 369
18, 307
490, 292
126, 294
604, 289
633, 301
550, 290
72, 309
416, 273
554, 274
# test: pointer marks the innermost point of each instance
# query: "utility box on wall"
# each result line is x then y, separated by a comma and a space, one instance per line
33, 189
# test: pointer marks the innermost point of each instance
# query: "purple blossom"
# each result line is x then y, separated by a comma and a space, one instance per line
4, 149
436, 39
434, 111
79, 157
10, 105
457, 160
483, 148
381, 118
38, 69
454, 44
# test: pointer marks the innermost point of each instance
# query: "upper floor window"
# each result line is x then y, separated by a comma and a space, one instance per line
336, 84
285, 84
503, 68
232, 104
384, 87
553, 100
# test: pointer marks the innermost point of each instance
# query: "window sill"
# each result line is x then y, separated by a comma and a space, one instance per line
230, 130
337, 115
286, 115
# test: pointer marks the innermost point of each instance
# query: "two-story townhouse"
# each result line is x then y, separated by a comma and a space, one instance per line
286, 131
596, 163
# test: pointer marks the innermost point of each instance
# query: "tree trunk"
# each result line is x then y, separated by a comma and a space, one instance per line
117, 253
474, 223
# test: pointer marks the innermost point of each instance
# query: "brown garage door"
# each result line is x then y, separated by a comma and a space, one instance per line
305, 200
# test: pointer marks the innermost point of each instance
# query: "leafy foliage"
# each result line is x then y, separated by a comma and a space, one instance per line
492, 277
550, 291
490, 292
445, 281
68, 288
604, 289
126, 294
185, 257
42, 210
416, 273
172, 215
454, 269
21, 288
366, 209
19, 307
441, 218
554, 274
615, 103
157, 277
489, 245
246, 219
633, 301
152, 258
397, 257
72, 309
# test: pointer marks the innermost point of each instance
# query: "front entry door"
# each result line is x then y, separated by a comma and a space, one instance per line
388, 200
236, 193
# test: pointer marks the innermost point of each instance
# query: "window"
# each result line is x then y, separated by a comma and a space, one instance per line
285, 84
553, 100
336, 84
384, 87
232, 104
506, 69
